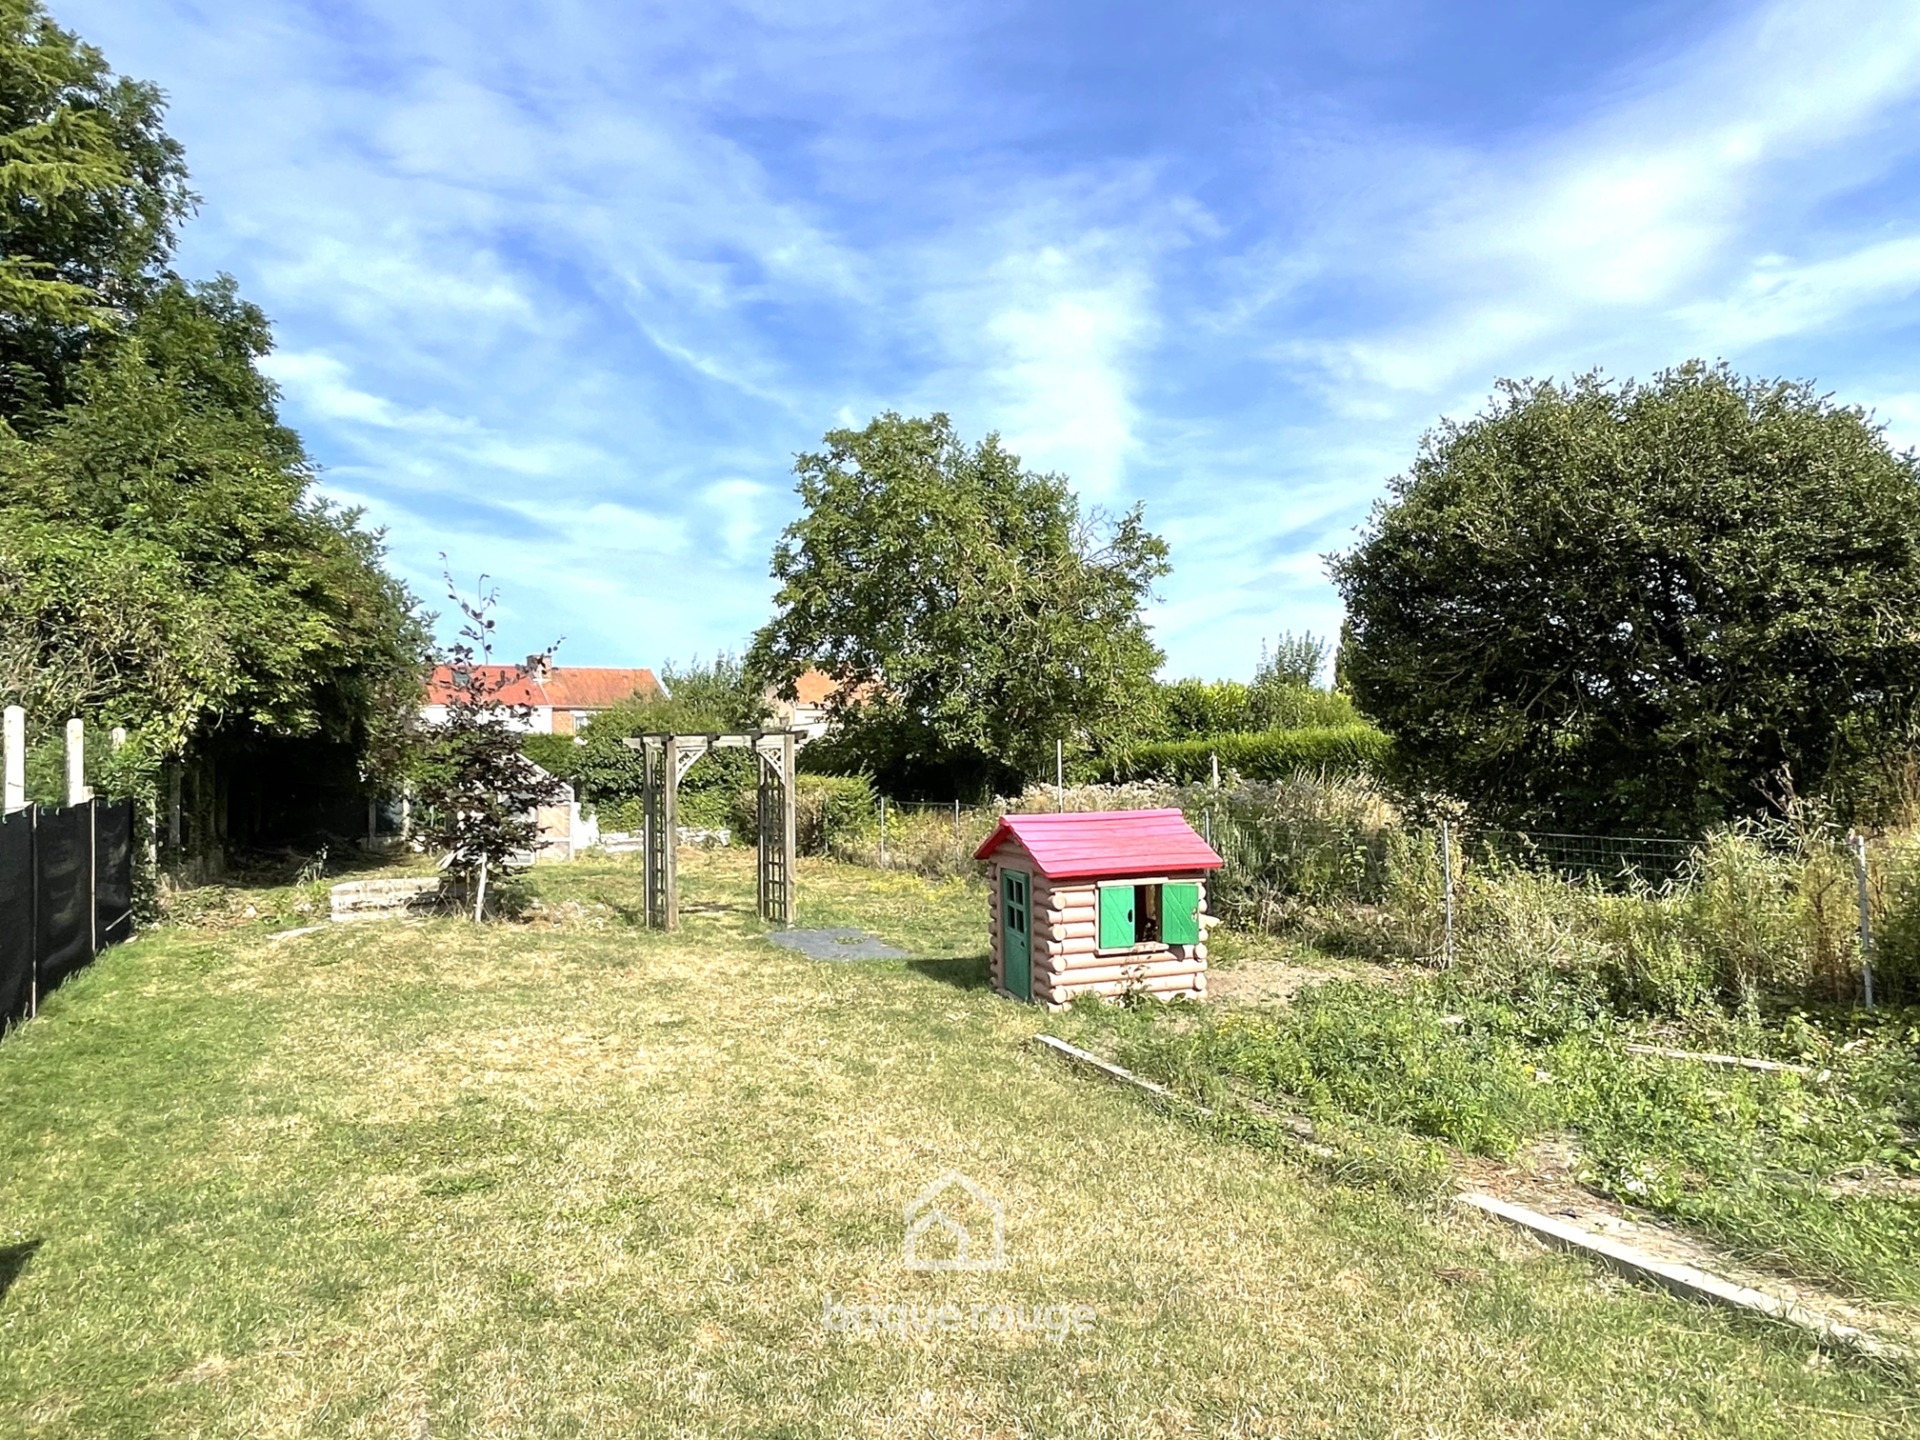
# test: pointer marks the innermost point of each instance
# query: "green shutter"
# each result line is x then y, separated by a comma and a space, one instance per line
1180, 913
1116, 917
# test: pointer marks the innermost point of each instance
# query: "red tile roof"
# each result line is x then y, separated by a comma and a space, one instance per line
566, 687
1099, 843
814, 687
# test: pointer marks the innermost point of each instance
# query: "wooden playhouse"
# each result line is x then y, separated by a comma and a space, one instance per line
1105, 903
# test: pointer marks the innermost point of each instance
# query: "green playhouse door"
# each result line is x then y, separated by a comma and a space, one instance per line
1016, 934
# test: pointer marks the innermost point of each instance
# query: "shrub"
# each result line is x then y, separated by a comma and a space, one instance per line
627, 816
558, 755
1273, 755
1294, 846
830, 812
1301, 707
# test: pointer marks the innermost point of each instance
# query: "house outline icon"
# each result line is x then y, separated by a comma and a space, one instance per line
927, 1211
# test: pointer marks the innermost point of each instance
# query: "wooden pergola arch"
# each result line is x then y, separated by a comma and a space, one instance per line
669, 758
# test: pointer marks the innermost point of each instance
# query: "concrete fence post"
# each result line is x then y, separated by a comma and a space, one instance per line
77, 792
1446, 892
1213, 792
16, 759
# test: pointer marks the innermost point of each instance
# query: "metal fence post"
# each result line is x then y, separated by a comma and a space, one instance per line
956, 820
1060, 775
1446, 893
1858, 844
33, 909
93, 878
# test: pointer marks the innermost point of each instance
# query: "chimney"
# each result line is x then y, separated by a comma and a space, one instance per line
540, 667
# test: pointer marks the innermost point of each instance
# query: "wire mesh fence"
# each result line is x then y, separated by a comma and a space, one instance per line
1611, 859
1795, 911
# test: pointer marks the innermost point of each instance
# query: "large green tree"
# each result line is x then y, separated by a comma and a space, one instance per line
1640, 606
91, 191
165, 563
971, 611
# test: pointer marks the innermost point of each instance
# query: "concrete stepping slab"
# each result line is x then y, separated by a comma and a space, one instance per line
836, 945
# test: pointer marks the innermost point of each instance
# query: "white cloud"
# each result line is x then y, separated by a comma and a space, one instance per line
1060, 375
1781, 298
1623, 213
604, 276
319, 385
738, 514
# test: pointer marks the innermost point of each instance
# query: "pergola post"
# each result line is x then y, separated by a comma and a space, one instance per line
789, 839
667, 757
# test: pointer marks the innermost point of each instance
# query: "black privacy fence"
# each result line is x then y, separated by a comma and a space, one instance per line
66, 893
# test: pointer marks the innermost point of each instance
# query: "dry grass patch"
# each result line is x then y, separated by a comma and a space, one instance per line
579, 1179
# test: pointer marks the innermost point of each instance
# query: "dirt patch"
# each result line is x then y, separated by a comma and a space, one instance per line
1274, 982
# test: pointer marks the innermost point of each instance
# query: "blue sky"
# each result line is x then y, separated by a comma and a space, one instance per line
560, 288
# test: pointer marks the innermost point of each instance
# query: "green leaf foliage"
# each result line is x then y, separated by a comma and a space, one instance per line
164, 562
1636, 606
1199, 708
1270, 755
971, 612
702, 697
827, 809
91, 190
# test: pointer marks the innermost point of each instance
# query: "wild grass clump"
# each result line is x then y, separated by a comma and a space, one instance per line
1812, 1174
932, 841
1896, 949
1758, 914
929, 840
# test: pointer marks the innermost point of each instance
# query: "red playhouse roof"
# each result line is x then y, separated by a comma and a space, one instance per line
1105, 842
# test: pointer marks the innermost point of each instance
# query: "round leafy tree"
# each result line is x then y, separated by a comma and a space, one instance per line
1641, 606
972, 614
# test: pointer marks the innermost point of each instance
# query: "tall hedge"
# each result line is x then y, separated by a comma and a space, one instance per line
1272, 755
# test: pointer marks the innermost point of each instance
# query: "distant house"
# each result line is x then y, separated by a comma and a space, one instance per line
814, 690
807, 713
563, 698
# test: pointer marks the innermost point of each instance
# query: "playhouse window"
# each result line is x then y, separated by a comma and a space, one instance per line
1154, 913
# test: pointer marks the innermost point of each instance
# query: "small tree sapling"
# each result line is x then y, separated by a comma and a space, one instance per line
479, 789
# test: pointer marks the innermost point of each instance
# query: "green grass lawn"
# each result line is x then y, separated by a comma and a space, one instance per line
567, 1177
